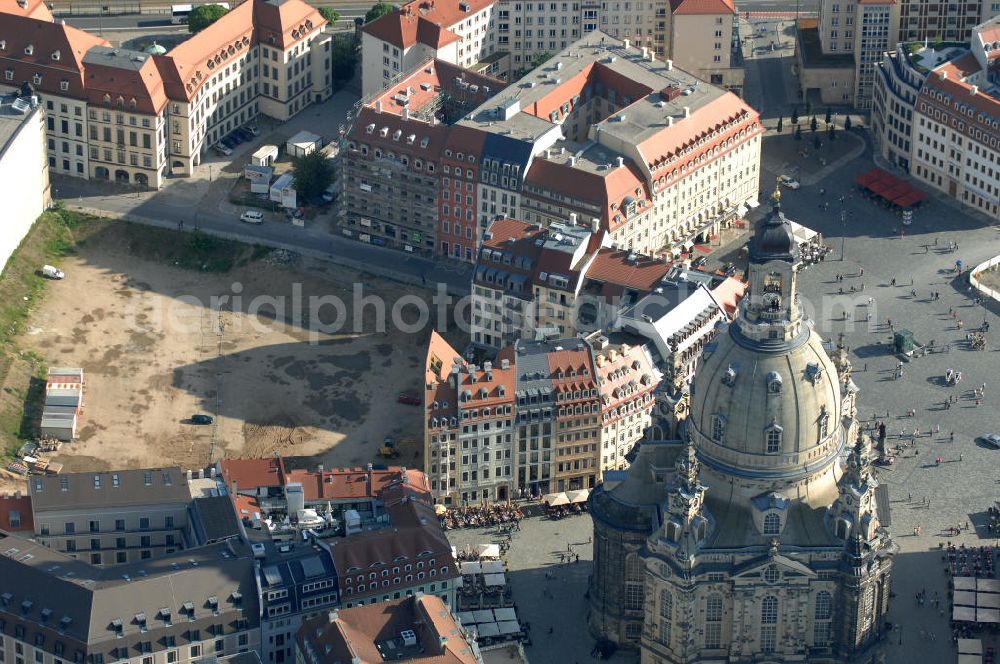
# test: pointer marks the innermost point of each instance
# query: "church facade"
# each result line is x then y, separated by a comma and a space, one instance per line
761, 537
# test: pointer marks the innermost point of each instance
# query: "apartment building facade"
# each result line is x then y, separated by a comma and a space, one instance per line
955, 126
564, 422
133, 117
112, 518
173, 610
507, 38
937, 115
469, 429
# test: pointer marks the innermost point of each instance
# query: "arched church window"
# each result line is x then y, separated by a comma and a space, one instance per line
768, 624
713, 622
823, 425
772, 524
823, 613
842, 528
666, 616
718, 428
773, 439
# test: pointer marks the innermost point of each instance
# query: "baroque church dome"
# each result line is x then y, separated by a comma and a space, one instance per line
763, 413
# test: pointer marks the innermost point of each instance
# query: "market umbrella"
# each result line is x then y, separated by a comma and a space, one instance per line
578, 496
440, 510
556, 499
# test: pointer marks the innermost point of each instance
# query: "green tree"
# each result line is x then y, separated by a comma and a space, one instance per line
781, 124
378, 10
795, 115
813, 124
312, 174
847, 123
330, 14
345, 59
203, 16
798, 133
539, 59
829, 116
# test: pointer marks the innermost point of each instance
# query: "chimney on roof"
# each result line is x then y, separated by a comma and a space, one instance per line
621, 161
320, 468
670, 65
378, 106
943, 75
644, 52
595, 224
190, 475
211, 472
572, 218
332, 616
974, 90
572, 160
405, 113
652, 55
670, 121
687, 111
626, 43
233, 487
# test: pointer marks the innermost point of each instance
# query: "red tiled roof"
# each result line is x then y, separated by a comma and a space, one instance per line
702, 7
355, 632
403, 30
954, 86
603, 190
252, 473
612, 266
282, 24
22, 506
144, 87
56, 53
728, 295
32, 9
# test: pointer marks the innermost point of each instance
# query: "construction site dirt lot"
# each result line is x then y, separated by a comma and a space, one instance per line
155, 350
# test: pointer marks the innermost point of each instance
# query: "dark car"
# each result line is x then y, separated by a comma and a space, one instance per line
235, 138
699, 262
202, 419
408, 399
243, 134
228, 142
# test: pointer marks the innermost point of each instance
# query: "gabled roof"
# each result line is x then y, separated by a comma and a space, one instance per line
282, 23
621, 268
681, 7
32, 9
129, 76
107, 489
54, 51
403, 30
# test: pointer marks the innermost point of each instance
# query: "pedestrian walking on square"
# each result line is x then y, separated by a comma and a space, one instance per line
892, 282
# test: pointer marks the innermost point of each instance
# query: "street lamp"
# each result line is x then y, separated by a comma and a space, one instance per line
843, 233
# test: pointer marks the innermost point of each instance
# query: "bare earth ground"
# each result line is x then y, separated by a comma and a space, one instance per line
153, 355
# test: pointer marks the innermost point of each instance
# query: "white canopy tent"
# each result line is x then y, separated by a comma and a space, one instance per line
494, 580
963, 614
492, 567
970, 647
578, 496
489, 550
965, 583
471, 567
556, 499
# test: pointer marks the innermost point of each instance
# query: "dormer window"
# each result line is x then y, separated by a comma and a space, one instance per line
8, 74
729, 378
29, 49
55, 55
814, 372
107, 100
718, 428
37, 79
772, 436
774, 382
64, 85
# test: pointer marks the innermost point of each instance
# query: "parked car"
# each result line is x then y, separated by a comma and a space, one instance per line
52, 272
235, 138
330, 194
243, 135
201, 419
408, 399
788, 181
228, 142
991, 440
253, 130
252, 217
222, 150
699, 262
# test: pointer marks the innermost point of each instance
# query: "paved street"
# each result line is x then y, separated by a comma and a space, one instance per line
534, 551
202, 202
964, 484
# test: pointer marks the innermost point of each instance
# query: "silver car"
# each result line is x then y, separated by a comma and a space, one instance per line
991, 440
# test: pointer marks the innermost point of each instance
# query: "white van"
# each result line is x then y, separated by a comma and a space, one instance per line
252, 217
51, 272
